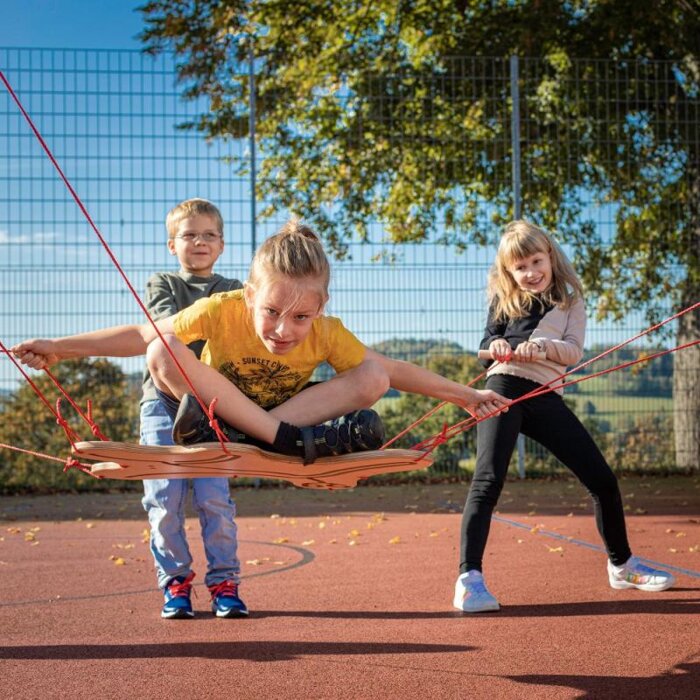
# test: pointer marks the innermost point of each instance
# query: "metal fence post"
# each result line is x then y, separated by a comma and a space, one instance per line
517, 203
251, 129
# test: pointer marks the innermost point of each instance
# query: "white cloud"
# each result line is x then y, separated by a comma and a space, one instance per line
38, 237
44, 236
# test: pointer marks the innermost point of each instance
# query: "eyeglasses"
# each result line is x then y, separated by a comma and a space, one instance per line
192, 237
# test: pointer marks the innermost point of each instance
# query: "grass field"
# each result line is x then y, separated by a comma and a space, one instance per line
618, 409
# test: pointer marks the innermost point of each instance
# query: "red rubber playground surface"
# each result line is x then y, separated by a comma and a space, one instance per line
350, 597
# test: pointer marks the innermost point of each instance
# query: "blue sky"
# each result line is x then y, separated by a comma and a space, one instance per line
74, 24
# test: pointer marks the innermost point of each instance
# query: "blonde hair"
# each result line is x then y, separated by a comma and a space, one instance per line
520, 240
294, 252
192, 207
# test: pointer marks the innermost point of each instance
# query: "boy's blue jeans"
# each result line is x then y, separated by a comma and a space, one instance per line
164, 501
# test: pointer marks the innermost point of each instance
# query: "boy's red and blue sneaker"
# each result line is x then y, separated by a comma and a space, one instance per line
225, 601
177, 598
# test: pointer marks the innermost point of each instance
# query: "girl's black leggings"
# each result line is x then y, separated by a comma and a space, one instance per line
549, 421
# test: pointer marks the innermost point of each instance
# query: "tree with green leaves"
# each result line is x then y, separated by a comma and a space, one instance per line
400, 112
27, 423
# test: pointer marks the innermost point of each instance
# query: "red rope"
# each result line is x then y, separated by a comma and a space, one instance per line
112, 257
440, 439
70, 433
87, 418
470, 422
426, 416
70, 462
614, 348
72, 436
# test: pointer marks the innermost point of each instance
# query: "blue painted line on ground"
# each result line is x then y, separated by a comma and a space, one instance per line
589, 545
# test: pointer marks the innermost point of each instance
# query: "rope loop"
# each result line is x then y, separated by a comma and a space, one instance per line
214, 425
72, 463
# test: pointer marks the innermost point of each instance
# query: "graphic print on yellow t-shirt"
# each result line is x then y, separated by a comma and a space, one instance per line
235, 351
267, 382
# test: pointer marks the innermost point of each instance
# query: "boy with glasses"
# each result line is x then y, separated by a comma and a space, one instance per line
195, 237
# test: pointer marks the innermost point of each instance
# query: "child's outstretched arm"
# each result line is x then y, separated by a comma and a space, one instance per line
117, 341
406, 376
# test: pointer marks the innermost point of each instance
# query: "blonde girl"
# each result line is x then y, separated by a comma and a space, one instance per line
262, 345
536, 306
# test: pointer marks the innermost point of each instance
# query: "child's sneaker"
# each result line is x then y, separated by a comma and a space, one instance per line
634, 574
471, 594
191, 424
225, 601
358, 431
177, 598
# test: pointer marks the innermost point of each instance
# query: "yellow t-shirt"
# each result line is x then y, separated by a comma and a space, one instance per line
234, 350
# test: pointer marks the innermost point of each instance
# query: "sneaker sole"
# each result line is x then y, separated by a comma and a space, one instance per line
230, 613
486, 608
651, 587
177, 615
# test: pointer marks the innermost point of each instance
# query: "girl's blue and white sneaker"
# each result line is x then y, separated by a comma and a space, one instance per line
634, 574
471, 594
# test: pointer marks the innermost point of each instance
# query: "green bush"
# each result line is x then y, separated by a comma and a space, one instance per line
27, 423
646, 446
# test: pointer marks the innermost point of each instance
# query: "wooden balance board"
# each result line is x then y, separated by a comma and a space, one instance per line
121, 460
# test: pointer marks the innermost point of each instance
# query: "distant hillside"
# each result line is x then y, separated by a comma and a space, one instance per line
413, 350
645, 379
